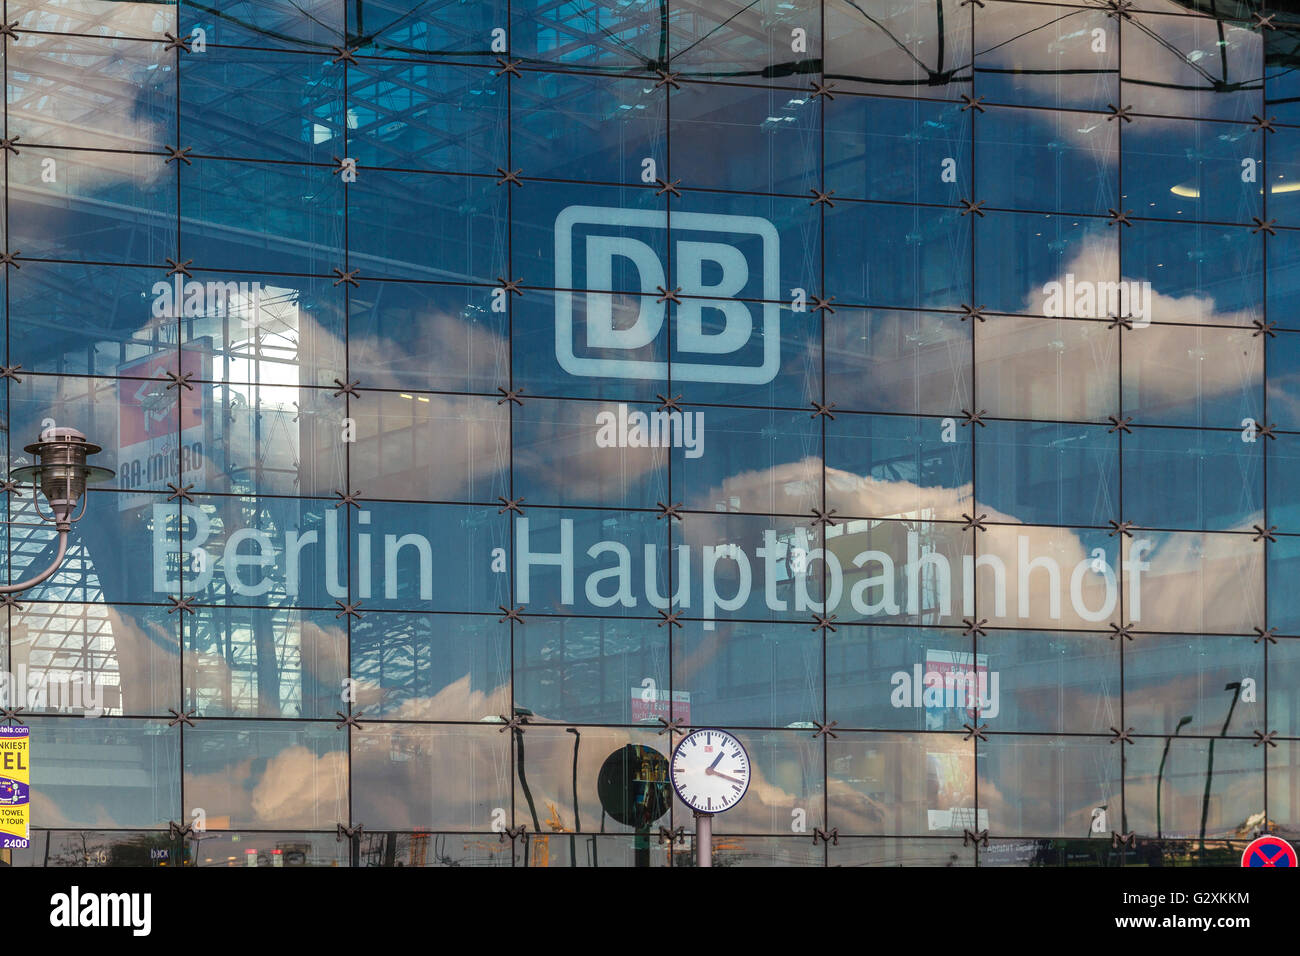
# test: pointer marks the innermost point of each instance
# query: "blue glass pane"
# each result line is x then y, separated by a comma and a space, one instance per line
908, 50
1184, 478
1033, 263
1042, 473
897, 150
262, 217
750, 460
396, 29
426, 116
420, 336
1065, 57
1197, 273
1192, 375
881, 361
91, 92
730, 137
1203, 171
1065, 162
897, 256
594, 128
263, 104
426, 226
310, 25
594, 453
100, 207
620, 38
880, 466
49, 325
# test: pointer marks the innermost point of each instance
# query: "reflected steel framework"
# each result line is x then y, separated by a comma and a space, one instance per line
73, 639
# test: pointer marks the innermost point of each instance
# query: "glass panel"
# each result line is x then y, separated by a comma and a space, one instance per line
1049, 681
894, 784
899, 678
770, 139
262, 662
747, 675
585, 453
309, 24
881, 361
593, 671
431, 667
113, 771
1187, 478
266, 776
1207, 787
432, 447
910, 49
1040, 55
102, 207
882, 466
1196, 273
787, 773
1188, 375
264, 217
1184, 170
409, 335
95, 16
768, 40
1048, 786
93, 660
263, 104
751, 460
433, 777
593, 128
1193, 582
1065, 162
394, 28
1044, 473
896, 150
619, 38
905, 257
1057, 369
1196, 685
1190, 66
91, 92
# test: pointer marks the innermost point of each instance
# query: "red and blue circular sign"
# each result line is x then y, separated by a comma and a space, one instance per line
1269, 851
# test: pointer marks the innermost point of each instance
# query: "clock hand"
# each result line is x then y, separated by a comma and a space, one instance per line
716, 760
718, 773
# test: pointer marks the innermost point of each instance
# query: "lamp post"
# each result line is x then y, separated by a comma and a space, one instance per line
577, 820
1235, 687
62, 474
1160, 774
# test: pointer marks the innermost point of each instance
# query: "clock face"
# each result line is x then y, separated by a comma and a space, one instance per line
710, 771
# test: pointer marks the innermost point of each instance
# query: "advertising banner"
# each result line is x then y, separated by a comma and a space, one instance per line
649, 703
15, 787
161, 439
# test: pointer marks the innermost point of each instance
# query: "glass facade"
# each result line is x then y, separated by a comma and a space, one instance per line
497, 388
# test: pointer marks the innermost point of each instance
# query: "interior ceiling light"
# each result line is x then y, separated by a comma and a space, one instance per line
1188, 191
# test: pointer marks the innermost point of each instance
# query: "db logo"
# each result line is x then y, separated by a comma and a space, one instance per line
615, 326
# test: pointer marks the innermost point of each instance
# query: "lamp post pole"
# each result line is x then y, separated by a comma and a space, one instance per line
1160, 774
1235, 687
704, 839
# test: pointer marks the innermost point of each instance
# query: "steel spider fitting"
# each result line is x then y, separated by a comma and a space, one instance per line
62, 474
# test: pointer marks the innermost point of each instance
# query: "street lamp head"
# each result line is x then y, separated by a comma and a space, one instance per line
62, 472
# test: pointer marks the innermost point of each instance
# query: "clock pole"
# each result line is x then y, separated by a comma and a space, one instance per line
703, 839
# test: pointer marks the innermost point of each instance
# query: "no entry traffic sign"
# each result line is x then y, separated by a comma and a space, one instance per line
1269, 851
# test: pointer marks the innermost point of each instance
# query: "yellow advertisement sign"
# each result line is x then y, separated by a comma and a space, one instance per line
15, 787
